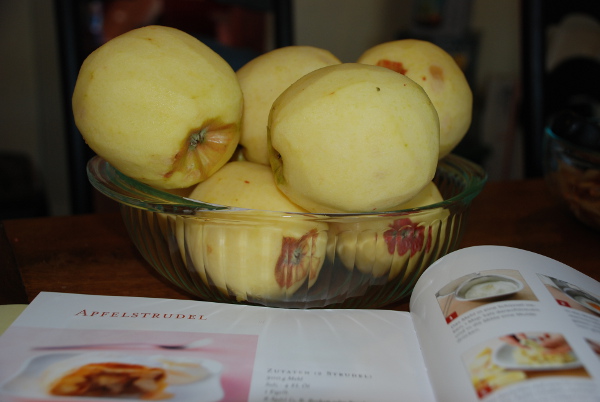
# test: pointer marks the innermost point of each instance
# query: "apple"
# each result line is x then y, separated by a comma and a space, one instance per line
262, 80
353, 138
160, 106
248, 255
391, 244
440, 76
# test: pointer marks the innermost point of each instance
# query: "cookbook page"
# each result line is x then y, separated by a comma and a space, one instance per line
176, 350
503, 324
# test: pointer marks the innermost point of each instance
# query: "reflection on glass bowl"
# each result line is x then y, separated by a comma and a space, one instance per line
294, 260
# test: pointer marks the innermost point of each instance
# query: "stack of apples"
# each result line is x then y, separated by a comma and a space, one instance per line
295, 130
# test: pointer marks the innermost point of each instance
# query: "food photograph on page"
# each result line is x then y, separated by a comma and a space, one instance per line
86, 365
515, 358
481, 288
572, 296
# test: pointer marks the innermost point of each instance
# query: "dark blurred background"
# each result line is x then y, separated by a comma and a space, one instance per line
525, 60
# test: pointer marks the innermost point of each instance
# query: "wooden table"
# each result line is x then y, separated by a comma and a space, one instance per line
92, 254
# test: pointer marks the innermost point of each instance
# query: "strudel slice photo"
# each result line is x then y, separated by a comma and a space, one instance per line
110, 379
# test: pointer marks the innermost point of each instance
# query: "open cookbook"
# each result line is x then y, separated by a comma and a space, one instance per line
487, 323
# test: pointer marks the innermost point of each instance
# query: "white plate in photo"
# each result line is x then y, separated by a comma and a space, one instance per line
488, 287
30, 381
504, 357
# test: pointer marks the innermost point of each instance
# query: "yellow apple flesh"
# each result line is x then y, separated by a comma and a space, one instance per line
159, 106
262, 80
247, 254
353, 138
391, 245
440, 76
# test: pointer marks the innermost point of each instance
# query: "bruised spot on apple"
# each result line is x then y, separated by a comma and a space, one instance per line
392, 65
437, 84
437, 72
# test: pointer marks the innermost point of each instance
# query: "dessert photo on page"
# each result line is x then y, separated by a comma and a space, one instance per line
130, 364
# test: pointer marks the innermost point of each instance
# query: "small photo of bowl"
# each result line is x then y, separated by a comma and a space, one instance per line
292, 260
488, 287
572, 172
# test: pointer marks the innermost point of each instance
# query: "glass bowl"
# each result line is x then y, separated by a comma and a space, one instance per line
573, 175
292, 260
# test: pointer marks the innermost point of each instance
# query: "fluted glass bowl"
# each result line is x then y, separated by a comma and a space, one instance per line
292, 260
573, 175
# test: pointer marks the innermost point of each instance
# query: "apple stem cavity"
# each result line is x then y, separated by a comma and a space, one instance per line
199, 147
197, 138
